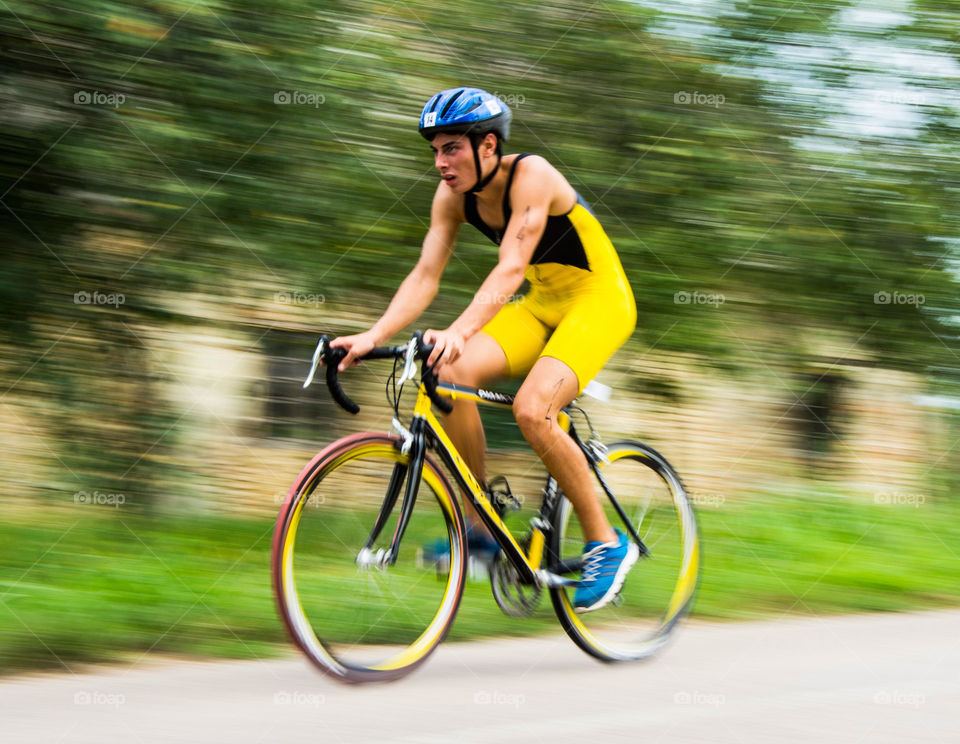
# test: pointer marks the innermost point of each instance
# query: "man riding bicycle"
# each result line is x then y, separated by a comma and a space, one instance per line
578, 311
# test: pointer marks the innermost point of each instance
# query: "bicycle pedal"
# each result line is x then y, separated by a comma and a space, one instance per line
501, 496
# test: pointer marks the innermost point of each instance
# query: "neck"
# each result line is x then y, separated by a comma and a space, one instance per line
492, 193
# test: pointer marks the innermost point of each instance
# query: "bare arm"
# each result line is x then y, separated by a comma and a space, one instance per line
420, 286
532, 193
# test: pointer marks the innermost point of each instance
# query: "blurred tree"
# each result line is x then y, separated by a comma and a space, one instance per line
233, 150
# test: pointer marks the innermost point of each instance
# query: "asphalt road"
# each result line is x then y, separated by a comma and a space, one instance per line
865, 679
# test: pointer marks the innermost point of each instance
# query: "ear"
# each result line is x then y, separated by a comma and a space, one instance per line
489, 143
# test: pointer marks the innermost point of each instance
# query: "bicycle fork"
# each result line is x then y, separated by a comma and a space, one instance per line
408, 476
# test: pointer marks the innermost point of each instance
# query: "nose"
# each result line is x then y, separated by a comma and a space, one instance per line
439, 161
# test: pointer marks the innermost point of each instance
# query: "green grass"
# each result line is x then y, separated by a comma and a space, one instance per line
827, 554
91, 584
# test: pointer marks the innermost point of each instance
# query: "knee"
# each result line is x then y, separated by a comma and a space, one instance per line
533, 416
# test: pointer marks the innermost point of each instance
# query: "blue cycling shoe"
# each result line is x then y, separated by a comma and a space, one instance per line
479, 545
605, 567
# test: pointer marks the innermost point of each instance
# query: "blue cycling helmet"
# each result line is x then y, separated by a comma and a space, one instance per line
465, 111
469, 111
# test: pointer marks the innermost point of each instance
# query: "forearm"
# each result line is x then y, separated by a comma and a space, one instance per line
493, 294
412, 298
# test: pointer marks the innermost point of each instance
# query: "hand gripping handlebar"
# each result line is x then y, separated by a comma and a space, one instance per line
332, 356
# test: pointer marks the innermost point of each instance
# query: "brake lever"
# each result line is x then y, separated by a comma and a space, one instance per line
409, 363
317, 356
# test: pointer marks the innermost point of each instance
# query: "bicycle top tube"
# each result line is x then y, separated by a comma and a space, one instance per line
478, 395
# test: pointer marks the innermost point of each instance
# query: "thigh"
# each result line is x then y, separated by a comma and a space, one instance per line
519, 334
481, 363
591, 330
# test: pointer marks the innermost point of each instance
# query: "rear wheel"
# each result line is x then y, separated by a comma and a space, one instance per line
358, 617
660, 587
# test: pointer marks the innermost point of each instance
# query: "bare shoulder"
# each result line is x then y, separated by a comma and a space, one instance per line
536, 176
536, 165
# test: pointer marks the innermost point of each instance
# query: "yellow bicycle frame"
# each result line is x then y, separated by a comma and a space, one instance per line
528, 563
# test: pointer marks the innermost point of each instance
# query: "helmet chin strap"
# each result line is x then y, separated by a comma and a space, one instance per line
482, 181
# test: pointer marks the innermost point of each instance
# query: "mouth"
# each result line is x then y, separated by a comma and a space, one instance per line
448, 178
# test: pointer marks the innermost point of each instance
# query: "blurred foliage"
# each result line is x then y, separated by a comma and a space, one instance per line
175, 147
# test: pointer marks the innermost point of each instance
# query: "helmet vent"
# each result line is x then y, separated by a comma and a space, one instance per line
453, 99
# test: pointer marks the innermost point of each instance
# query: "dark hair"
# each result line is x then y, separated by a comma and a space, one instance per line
477, 137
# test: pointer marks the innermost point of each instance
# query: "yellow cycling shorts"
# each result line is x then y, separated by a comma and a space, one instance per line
579, 317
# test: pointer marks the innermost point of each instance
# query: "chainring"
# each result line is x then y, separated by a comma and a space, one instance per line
513, 597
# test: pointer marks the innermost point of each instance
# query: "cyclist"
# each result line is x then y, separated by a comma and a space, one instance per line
578, 311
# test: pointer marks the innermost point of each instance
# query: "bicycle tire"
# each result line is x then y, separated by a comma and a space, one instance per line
660, 587
356, 622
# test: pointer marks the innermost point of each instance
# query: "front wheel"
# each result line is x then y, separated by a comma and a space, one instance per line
358, 617
659, 588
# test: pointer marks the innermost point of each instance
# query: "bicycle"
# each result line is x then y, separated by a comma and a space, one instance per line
354, 587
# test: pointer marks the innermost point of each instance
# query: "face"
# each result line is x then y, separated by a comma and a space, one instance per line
453, 157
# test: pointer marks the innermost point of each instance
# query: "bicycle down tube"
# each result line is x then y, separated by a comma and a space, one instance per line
454, 461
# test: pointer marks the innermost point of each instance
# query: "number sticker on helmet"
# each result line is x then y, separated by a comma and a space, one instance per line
493, 107
430, 119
